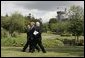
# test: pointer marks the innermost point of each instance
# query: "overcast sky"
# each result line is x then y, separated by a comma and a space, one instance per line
38, 9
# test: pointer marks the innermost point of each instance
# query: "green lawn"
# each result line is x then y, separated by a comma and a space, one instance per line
53, 36
66, 51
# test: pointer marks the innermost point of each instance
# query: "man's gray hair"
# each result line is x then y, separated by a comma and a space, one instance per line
37, 23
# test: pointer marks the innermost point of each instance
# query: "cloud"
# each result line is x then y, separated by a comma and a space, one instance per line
48, 5
38, 9
49, 15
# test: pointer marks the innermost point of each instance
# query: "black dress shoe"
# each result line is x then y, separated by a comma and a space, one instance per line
32, 51
38, 50
23, 51
44, 52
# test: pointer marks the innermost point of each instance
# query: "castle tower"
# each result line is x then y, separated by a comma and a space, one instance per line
61, 14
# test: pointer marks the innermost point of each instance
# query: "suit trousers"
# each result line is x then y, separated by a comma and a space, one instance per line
38, 42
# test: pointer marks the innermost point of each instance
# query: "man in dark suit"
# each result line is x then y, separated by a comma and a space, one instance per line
30, 38
37, 38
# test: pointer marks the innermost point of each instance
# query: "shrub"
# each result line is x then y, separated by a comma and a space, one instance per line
15, 34
7, 42
60, 39
81, 42
73, 42
69, 42
4, 33
13, 41
52, 43
66, 34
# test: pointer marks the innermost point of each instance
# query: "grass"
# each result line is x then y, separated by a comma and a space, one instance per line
53, 36
66, 51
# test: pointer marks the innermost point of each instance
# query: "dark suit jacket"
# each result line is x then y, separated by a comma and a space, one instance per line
31, 33
28, 34
37, 28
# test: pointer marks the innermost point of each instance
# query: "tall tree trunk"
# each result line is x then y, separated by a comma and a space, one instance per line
77, 39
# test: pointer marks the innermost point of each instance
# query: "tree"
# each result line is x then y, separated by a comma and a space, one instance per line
52, 21
45, 27
6, 15
17, 23
58, 26
76, 12
27, 20
76, 26
5, 22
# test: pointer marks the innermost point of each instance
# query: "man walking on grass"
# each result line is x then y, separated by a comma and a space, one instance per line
37, 38
30, 38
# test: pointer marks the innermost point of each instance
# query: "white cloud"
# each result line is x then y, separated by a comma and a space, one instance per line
49, 15
9, 7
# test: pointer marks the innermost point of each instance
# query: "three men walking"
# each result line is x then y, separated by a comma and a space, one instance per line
34, 38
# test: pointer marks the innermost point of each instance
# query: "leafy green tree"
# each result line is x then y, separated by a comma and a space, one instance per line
17, 23
5, 22
58, 26
76, 26
45, 27
76, 12
52, 21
